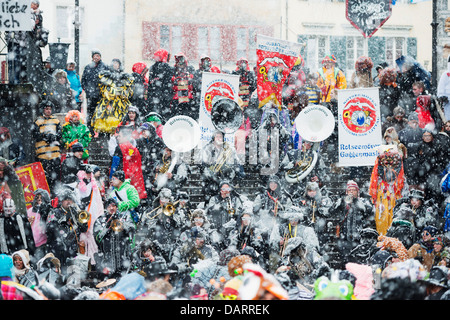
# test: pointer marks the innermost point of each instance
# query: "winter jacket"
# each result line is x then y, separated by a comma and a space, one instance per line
127, 196
76, 132
247, 84
353, 217
75, 84
159, 94
389, 98
90, 79
422, 252
47, 134
332, 79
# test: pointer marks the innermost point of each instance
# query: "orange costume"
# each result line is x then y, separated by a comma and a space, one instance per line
330, 77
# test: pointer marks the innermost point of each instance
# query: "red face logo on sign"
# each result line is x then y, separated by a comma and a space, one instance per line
217, 89
359, 115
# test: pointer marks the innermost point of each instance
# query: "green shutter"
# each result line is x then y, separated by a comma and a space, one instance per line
304, 50
411, 47
377, 50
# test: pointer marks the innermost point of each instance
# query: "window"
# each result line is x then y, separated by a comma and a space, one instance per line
65, 18
395, 48
355, 49
223, 43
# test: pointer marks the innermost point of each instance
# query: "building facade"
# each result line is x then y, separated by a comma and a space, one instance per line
132, 30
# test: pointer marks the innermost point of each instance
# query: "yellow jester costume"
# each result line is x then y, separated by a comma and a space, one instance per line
116, 90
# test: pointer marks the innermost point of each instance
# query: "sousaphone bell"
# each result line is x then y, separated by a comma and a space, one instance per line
314, 123
226, 114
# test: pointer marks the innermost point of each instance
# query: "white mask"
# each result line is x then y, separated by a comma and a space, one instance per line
9, 207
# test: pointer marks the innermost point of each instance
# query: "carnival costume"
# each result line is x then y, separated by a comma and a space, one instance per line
116, 90
386, 185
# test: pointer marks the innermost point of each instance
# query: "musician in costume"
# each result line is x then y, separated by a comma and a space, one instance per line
193, 250
183, 100
127, 158
169, 171
330, 77
353, 214
64, 228
300, 259
198, 218
163, 223
116, 88
126, 195
147, 260
423, 213
220, 162
46, 133
302, 165
272, 200
247, 237
223, 209
386, 185
316, 208
247, 80
113, 235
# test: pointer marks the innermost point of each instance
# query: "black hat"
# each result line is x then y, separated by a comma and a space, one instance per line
77, 147
46, 103
119, 174
418, 194
111, 201
438, 276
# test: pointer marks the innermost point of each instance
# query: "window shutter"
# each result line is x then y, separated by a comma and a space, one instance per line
303, 50
377, 51
411, 47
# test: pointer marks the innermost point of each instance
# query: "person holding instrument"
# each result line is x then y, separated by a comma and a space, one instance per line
113, 235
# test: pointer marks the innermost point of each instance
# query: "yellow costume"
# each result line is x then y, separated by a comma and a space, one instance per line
116, 89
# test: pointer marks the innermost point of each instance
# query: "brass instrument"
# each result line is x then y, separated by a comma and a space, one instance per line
231, 211
83, 217
222, 158
315, 123
168, 209
165, 165
116, 225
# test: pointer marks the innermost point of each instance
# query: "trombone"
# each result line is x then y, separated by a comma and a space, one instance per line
168, 209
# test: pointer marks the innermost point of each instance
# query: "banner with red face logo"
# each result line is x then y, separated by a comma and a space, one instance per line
359, 126
215, 86
32, 177
275, 59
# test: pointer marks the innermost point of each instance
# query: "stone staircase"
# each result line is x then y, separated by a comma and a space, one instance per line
335, 181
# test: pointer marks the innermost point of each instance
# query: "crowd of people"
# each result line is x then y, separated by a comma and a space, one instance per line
131, 231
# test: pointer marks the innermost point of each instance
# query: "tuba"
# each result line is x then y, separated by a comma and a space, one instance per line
227, 117
314, 123
180, 134
226, 114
